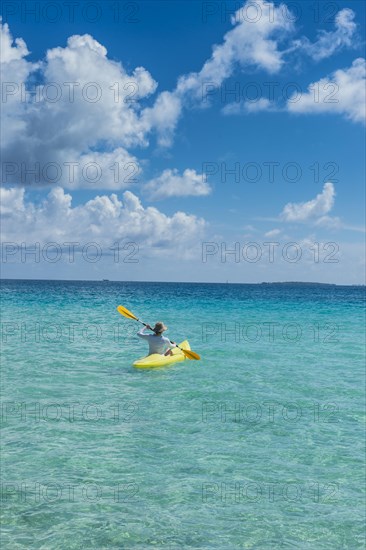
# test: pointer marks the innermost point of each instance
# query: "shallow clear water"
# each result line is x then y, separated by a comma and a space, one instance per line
259, 445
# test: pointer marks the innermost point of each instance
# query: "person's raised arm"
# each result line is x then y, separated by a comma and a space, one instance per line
142, 334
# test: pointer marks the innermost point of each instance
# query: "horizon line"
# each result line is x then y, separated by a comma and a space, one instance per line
187, 282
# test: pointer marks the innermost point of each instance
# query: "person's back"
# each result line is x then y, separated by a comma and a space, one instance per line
157, 342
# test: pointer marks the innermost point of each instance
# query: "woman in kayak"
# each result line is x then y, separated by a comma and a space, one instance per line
157, 342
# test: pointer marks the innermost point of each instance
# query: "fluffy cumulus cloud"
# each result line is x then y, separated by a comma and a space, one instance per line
106, 98
11, 51
11, 200
83, 103
163, 116
253, 41
110, 170
103, 219
102, 106
171, 184
313, 210
14, 71
73, 118
329, 42
344, 92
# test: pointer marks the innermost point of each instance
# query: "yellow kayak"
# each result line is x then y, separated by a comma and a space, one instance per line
156, 360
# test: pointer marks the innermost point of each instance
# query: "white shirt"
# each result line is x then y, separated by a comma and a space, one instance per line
157, 344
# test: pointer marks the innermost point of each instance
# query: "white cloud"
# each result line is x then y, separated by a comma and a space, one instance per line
163, 116
76, 129
102, 109
171, 184
94, 118
11, 200
253, 42
104, 219
329, 222
14, 71
66, 129
357, 228
330, 42
94, 170
250, 43
273, 233
315, 209
10, 52
250, 228
344, 92
113, 117
244, 107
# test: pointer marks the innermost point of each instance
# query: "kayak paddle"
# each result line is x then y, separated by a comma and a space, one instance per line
126, 313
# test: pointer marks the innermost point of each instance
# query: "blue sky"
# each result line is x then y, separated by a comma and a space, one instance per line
183, 135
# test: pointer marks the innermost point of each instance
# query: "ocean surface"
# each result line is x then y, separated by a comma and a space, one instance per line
260, 445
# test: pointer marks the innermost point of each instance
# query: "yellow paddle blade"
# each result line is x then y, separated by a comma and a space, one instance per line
190, 354
126, 313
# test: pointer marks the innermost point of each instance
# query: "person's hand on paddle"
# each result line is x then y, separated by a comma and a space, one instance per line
149, 327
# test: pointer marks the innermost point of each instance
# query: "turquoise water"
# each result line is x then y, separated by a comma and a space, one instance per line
259, 445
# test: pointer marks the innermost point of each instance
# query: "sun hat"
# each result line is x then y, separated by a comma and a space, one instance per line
159, 327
